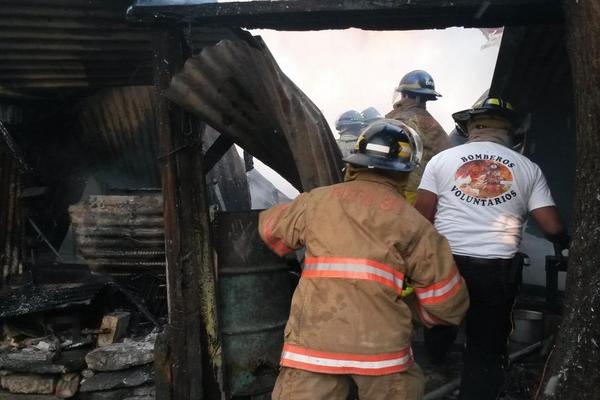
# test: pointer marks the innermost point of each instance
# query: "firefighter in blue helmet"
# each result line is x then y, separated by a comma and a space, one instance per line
370, 115
362, 241
348, 125
409, 102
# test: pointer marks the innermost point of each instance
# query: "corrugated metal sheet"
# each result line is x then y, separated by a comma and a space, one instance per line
11, 227
118, 130
121, 232
533, 70
47, 44
238, 88
71, 43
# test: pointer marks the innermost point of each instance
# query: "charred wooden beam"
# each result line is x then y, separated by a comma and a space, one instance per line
12, 148
29, 299
190, 271
12, 167
216, 151
364, 14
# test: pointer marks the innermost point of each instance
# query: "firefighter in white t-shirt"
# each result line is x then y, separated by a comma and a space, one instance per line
478, 195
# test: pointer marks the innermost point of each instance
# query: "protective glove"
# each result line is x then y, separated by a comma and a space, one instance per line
407, 291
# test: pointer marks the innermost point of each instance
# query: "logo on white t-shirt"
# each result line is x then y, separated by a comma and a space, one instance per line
484, 180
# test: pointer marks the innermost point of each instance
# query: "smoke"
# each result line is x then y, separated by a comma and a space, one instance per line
355, 69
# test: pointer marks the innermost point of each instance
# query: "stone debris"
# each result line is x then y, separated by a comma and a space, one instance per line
67, 386
118, 379
29, 354
28, 383
120, 356
45, 346
87, 373
139, 393
13, 396
76, 361
68, 361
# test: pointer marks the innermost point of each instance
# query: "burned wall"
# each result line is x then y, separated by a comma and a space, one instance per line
11, 224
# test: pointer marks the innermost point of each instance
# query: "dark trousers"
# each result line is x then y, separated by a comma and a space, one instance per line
492, 286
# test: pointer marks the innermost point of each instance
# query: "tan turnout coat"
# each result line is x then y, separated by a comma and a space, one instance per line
432, 134
363, 241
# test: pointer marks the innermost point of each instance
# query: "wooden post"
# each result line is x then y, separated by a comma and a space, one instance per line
572, 370
190, 271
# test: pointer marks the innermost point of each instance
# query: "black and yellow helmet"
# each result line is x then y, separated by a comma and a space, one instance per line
387, 144
490, 106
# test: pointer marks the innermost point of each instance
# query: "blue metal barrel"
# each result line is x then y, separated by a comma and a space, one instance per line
254, 295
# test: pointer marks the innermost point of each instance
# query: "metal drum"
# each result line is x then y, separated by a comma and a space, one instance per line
254, 294
528, 326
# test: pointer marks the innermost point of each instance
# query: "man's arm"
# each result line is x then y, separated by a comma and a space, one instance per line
544, 211
442, 297
281, 227
549, 221
426, 204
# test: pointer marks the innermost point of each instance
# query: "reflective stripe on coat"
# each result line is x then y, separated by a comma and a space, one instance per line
362, 241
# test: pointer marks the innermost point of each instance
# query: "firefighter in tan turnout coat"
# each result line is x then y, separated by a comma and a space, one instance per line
363, 241
416, 88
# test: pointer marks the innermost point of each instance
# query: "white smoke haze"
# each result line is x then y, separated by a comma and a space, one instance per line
355, 69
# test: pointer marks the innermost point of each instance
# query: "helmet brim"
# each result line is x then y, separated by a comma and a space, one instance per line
364, 160
420, 91
464, 116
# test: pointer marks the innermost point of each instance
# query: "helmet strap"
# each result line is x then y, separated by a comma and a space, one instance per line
409, 99
400, 179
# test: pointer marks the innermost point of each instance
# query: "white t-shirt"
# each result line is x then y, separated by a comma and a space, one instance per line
484, 192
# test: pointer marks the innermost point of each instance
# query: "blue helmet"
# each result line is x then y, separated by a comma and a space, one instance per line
389, 145
350, 121
418, 83
370, 115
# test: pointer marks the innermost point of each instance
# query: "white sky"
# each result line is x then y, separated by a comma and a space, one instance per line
354, 69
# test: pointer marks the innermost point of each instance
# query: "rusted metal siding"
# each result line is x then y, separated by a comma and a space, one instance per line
71, 43
11, 227
50, 44
117, 233
238, 88
118, 130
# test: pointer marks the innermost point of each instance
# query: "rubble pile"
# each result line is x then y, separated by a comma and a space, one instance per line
83, 364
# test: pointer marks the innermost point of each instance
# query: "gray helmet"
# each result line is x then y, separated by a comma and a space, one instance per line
418, 83
389, 145
351, 121
370, 115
